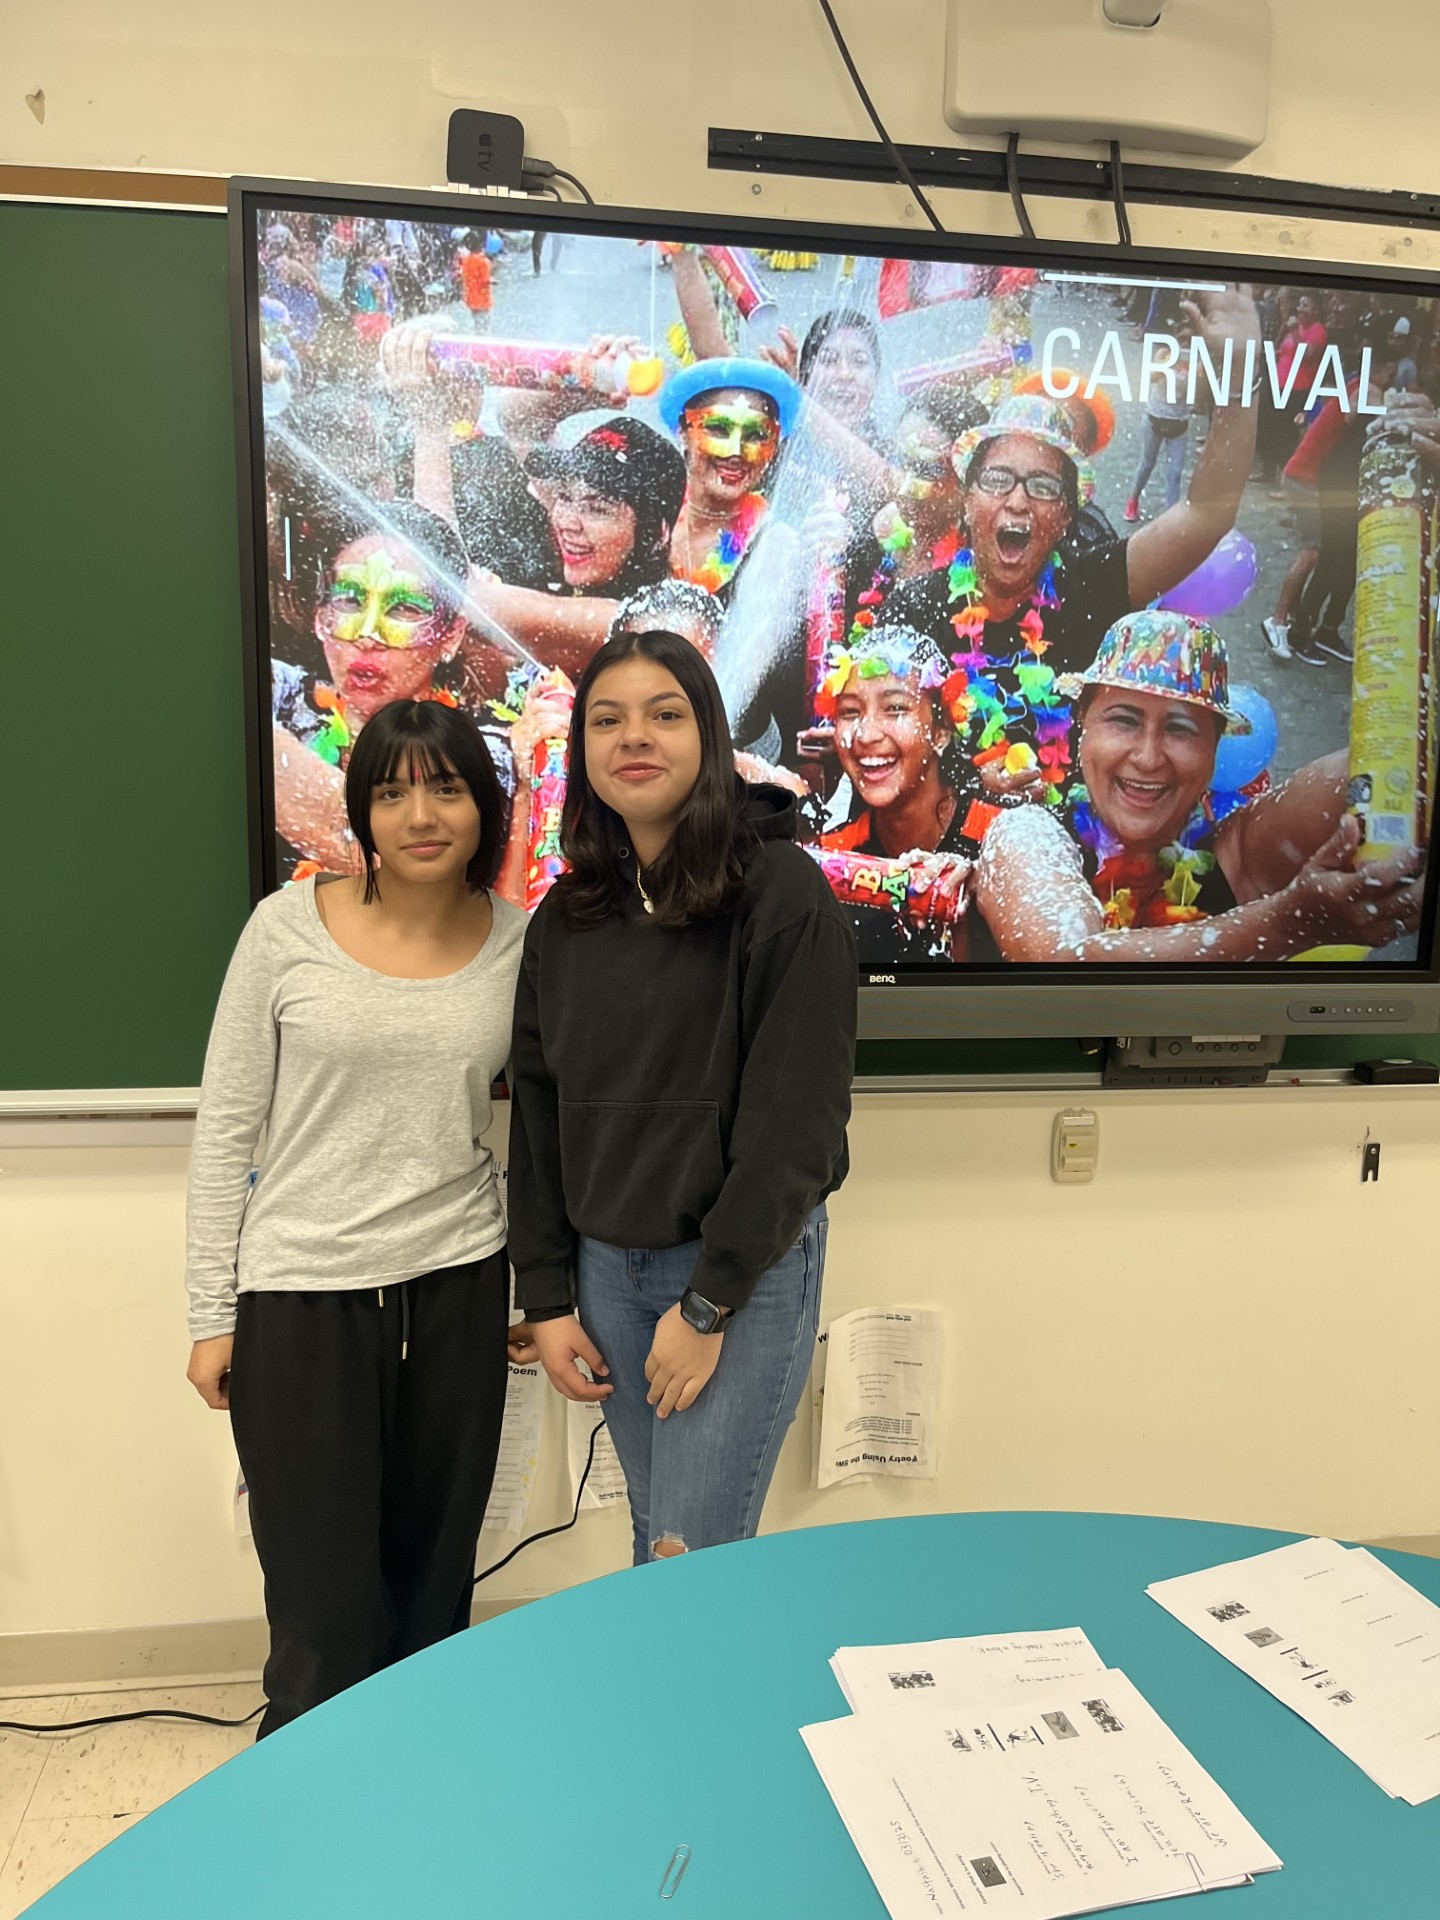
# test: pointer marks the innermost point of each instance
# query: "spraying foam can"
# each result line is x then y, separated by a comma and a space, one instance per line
544, 368
545, 863
1392, 710
736, 272
989, 360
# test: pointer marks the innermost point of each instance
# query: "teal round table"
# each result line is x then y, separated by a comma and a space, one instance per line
550, 1762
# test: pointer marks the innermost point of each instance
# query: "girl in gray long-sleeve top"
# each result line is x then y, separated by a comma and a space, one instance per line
349, 1298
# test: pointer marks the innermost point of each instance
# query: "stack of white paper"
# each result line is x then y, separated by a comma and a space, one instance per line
1342, 1639
1016, 1774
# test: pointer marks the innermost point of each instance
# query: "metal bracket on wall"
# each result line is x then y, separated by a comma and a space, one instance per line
983, 171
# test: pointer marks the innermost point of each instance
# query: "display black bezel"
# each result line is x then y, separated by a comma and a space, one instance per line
247, 194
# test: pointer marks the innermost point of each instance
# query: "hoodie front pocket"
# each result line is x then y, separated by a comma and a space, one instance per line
640, 1173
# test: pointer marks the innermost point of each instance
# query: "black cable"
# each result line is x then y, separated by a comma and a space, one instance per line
1012, 181
875, 120
579, 185
533, 170
210, 1720
109, 1719
549, 1532
1117, 190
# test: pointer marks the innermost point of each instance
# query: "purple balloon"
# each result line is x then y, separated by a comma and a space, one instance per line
1220, 582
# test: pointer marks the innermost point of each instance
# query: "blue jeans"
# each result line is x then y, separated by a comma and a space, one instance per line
699, 1478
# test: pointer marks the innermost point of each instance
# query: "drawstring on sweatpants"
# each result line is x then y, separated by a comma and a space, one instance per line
404, 1318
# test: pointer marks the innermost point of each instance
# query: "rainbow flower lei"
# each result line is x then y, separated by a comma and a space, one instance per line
718, 567
1035, 697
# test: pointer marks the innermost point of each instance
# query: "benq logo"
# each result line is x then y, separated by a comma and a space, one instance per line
882, 980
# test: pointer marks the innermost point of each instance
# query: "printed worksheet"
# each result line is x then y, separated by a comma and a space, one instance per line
880, 1410
929, 1672
606, 1484
1063, 1800
1339, 1637
519, 1456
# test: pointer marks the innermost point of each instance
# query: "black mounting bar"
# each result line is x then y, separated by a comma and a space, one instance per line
983, 171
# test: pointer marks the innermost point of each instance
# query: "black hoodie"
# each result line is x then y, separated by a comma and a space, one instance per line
683, 1084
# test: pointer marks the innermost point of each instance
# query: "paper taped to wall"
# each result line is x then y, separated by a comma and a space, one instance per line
881, 1395
519, 1454
606, 1485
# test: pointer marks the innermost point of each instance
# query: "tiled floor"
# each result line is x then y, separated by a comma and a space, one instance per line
64, 1795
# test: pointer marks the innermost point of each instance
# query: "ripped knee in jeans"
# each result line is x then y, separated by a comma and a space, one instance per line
667, 1547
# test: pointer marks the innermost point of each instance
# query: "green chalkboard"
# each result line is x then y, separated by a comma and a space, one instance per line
125, 870
125, 879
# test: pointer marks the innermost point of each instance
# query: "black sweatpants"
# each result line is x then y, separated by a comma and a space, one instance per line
367, 1425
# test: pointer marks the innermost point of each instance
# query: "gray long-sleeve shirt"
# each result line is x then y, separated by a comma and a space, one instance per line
374, 1095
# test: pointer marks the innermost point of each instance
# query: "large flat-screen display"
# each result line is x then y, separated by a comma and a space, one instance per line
1084, 603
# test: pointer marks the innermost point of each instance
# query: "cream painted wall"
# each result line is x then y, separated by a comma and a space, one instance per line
1225, 1325
623, 93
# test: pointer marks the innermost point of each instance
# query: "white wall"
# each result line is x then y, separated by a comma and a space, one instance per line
623, 93
1226, 1325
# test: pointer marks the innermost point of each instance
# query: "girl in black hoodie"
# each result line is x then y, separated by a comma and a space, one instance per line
684, 1043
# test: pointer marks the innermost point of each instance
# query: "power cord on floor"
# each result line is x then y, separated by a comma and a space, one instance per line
109, 1719
213, 1720
549, 1532
876, 122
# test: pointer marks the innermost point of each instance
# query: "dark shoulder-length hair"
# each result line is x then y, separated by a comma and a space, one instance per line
426, 740
699, 872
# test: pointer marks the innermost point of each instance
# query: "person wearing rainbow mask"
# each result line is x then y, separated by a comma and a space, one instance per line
1142, 870
386, 612
730, 417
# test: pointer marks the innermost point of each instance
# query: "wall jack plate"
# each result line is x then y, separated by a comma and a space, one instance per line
1201, 1060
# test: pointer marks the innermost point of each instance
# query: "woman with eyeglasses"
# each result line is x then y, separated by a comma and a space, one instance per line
1022, 600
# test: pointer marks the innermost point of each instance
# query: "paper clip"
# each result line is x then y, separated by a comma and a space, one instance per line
1201, 1884
675, 1872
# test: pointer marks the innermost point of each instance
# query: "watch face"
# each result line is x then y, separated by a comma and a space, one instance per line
700, 1314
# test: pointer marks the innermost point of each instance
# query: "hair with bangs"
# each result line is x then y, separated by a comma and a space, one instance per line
426, 740
700, 870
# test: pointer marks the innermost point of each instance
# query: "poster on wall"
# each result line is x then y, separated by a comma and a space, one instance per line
1085, 618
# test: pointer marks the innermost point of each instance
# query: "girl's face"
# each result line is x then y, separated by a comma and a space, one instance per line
426, 830
844, 376
1146, 761
1305, 310
731, 438
595, 534
382, 626
886, 737
642, 743
1012, 531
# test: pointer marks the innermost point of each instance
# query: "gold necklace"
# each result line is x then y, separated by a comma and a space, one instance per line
645, 900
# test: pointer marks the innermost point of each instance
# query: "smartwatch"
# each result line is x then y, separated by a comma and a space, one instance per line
702, 1314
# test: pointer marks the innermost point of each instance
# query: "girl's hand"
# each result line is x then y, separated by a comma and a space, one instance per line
520, 1347
545, 716
784, 353
680, 1364
561, 1344
942, 883
209, 1370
